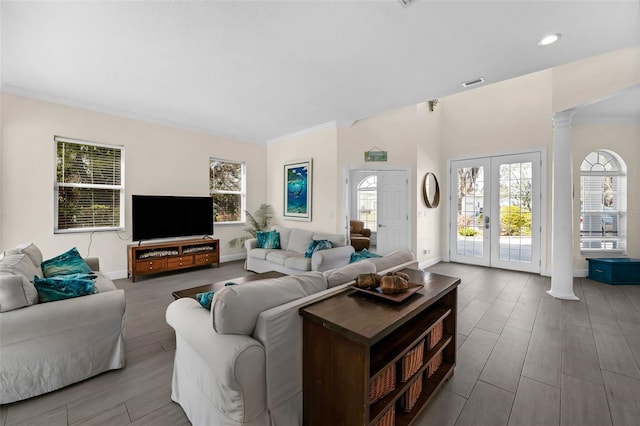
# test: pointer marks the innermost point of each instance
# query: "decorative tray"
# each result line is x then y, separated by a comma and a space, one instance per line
398, 297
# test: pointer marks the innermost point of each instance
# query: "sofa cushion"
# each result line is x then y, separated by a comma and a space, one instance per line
258, 253
235, 309
284, 236
279, 256
392, 259
69, 262
299, 263
11, 292
268, 239
348, 273
299, 240
20, 264
337, 240
62, 287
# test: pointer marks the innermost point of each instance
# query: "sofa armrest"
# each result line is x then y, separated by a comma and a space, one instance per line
47, 319
234, 363
323, 260
366, 232
93, 262
251, 243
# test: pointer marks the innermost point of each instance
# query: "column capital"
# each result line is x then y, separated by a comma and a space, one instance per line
562, 118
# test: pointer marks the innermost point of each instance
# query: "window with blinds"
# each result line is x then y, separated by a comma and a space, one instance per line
89, 186
227, 186
602, 203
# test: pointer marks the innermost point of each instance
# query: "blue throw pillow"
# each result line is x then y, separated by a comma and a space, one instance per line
268, 239
63, 287
69, 262
317, 245
205, 298
362, 254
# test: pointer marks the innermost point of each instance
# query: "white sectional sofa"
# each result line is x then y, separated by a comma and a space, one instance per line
290, 259
241, 362
46, 346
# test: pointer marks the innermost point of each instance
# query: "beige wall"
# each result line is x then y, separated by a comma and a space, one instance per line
321, 147
411, 137
159, 160
592, 79
624, 140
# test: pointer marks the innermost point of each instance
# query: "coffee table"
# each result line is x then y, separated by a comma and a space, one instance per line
191, 292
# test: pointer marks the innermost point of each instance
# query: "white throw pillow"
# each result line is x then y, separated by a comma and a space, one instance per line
11, 293
34, 254
284, 236
21, 264
299, 240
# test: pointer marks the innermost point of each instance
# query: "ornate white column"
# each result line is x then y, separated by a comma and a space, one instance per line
562, 209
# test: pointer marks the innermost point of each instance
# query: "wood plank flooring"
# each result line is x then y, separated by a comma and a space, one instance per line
524, 357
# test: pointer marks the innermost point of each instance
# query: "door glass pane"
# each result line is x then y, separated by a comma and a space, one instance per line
515, 211
470, 211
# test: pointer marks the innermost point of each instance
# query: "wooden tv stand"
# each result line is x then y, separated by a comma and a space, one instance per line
170, 256
349, 339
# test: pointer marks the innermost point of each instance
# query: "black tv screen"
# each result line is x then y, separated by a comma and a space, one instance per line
160, 216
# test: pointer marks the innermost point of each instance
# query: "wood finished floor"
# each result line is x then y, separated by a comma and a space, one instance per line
524, 357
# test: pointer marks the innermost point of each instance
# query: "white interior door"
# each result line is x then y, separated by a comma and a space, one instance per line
393, 212
495, 211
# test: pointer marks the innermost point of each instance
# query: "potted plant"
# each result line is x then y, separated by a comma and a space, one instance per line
259, 221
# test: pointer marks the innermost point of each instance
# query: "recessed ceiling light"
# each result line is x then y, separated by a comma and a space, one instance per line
549, 39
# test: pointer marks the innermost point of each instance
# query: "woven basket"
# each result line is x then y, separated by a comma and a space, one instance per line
384, 383
410, 397
412, 361
388, 419
433, 365
435, 335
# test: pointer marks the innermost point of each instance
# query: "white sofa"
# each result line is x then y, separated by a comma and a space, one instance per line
241, 362
46, 346
290, 259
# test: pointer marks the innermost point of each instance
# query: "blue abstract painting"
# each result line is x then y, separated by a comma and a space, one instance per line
297, 197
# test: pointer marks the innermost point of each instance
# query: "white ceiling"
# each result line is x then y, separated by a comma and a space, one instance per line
261, 70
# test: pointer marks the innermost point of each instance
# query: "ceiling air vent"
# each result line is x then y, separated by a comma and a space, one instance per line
473, 82
405, 2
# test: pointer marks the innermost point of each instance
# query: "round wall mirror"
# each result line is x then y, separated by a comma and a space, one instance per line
431, 190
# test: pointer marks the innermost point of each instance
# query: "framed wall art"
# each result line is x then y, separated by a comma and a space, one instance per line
297, 190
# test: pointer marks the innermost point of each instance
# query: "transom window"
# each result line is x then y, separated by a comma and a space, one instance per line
368, 202
228, 189
89, 186
602, 203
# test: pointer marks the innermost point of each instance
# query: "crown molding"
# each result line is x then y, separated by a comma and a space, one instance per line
606, 119
60, 100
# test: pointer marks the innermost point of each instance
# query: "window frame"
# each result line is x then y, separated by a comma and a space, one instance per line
242, 192
57, 185
368, 189
619, 173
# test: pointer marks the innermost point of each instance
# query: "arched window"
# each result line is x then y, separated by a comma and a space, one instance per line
603, 203
368, 202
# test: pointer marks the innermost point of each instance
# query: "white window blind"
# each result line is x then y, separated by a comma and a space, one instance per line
89, 186
227, 186
602, 203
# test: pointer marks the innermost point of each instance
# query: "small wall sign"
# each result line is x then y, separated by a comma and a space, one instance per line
375, 154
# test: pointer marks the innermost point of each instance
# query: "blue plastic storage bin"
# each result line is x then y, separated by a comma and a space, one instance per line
614, 271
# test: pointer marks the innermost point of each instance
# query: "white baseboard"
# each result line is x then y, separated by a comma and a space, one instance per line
429, 262
580, 273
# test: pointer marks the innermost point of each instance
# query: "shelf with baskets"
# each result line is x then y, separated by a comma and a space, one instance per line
400, 353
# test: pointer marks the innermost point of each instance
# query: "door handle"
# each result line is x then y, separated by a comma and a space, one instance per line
486, 222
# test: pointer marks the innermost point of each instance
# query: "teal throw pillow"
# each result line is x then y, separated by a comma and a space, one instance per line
268, 239
63, 287
317, 245
205, 298
363, 254
69, 262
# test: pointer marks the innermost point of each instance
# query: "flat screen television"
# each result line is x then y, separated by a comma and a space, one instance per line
161, 216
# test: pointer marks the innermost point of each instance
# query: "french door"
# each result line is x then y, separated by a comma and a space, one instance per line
495, 211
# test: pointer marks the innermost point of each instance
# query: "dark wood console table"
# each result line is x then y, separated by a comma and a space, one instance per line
349, 339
